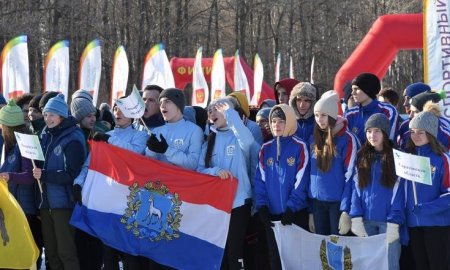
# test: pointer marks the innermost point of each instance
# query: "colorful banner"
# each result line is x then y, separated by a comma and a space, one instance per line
300, 249
157, 68
218, 82
240, 79
435, 47
258, 77
57, 69
15, 70
200, 90
412, 167
277, 68
120, 72
132, 106
17, 247
91, 69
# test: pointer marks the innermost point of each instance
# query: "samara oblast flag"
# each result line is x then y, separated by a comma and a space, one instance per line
144, 207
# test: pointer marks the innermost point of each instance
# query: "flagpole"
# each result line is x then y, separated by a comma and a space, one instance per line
149, 132
414, 192
38, 181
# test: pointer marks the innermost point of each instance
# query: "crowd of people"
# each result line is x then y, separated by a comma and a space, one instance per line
295, 158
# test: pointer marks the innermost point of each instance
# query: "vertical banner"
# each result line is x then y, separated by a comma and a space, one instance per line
277, 68
240, 79
157, 68
119, 79
258, 76
15, 70
435, 47
200, 91
218, 76
91, 69
311, 80
57, 68
291, 68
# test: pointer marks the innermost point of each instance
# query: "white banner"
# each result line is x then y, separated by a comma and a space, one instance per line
29, 146
412, 167
277, 68
157, 68
300, 250
91, 69
15, 70
311, 80
57, 69
258, 76
132, 106
120, 72
200, 90
218, 76
291, 68
240, 79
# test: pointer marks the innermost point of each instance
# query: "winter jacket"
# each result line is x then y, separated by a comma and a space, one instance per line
305, 128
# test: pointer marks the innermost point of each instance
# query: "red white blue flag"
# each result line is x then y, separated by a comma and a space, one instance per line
143, 207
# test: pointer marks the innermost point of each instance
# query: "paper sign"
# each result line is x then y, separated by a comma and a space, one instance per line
412, 167
29, 146
132, 106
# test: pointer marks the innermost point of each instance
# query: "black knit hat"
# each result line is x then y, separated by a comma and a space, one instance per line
174, 95
34, 102
45, 98
368, 83
419, 100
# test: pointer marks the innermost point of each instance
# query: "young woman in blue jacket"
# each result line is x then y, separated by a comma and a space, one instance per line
333, 159
428, 206
378, 196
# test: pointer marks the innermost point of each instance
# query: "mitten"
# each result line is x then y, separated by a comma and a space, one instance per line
392, 233
265, 216
100, 137
157, 146
358, 227
345, 222
77, 194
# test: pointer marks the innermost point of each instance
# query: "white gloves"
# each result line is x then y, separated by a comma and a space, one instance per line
392, 233
344, 223
312, 228
358, 227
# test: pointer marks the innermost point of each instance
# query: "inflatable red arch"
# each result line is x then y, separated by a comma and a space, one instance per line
182, 73
375, 53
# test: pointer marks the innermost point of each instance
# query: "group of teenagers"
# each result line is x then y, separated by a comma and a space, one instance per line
298, 162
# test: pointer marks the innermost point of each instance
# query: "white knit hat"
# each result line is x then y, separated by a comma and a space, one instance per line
328, 103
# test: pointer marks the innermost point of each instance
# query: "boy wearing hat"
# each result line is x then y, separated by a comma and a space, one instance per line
283, 89
365, 88
83, 111
177, 142
152, 116
64, 147
35, 115
302, 100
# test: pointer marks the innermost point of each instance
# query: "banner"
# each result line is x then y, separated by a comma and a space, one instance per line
120, 72
57, 69
240, 80
132, 106
91, 69
200, 90
291, 68
300, 249
258, 78
412, 167
157, 68
218, 82
29, 146
15, 70
17, 247
144, 207
311, 80
277, 68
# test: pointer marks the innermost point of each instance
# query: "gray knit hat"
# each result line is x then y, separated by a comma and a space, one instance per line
378, 120
328, 103
81, 105
174, 95
427, 121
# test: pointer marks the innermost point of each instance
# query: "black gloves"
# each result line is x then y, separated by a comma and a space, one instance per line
77, 194
288, 217
265, 216
100, 137
158, 146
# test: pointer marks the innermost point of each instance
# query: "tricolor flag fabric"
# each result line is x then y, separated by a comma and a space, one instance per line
14, 66
141, 206
91, 69
200, 90
218, 76
258, 76
120, 72
240, 79
157, 68
57, 68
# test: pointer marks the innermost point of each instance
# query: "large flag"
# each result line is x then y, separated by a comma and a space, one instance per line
119, 78
200, 90
435, 46
218, 76
15, 70
57, 68
157, 68
240, 79
17, 247
277, 68
91, 69
144, 207
258, 71
300, 249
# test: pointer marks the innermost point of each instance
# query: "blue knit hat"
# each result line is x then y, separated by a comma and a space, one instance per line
416, 88
264, 113
58, 106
